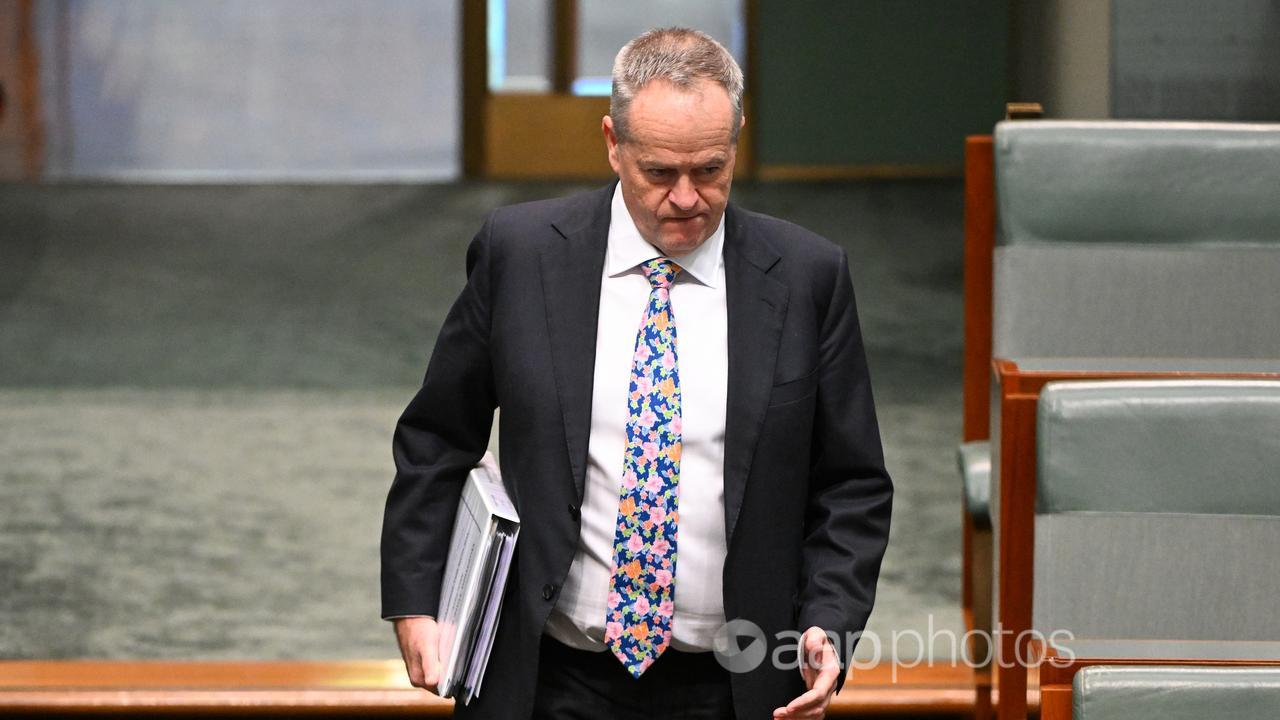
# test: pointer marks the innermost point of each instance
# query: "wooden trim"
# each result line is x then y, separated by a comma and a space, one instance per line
539, 136
979, 250
1057, 675
984, 700
1016, 537
1023, 111
1019, 394
359, 688
366, 688
772, 171
1053, 700
158, 674
29, 91
929, 689
979, 246
1033, 381
272, 703
475, 84
544, 136
22, 133
1056, 671
564, 43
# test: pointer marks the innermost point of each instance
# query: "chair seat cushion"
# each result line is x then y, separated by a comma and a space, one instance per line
1105, 692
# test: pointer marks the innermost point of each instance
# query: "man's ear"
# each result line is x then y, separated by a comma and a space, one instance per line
611, 143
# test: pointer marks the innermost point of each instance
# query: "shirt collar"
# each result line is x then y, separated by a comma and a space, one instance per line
627, 248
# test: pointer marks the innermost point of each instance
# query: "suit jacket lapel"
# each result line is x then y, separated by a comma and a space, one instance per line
571, 271
756, 305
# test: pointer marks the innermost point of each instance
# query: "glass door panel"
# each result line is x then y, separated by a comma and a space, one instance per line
520, 37
604, 26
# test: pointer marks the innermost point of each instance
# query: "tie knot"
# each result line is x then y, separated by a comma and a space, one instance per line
660, 272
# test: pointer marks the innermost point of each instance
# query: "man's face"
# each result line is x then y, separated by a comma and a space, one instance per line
676, 165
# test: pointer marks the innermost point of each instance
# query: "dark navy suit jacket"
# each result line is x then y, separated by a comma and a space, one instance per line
806, 496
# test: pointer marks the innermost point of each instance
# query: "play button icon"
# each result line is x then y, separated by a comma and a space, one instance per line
739, 646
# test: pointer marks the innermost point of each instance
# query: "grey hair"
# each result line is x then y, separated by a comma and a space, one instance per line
681, 57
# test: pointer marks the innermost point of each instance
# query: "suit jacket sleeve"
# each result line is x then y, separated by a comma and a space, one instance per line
442, 434
850, 493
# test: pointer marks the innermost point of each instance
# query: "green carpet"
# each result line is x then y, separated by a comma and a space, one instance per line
198, 385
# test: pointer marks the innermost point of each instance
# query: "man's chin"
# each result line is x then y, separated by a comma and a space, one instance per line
679, 246
676, 243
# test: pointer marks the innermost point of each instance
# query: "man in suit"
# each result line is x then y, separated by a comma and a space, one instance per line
686, 428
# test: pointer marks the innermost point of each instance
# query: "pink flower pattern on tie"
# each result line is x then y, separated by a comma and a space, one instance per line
642, 592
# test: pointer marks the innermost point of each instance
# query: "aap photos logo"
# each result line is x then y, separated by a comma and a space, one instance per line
740, 646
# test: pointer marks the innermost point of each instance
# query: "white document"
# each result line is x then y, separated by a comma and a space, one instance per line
480, 555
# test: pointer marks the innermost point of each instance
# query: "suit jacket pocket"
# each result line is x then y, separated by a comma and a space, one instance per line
793, 390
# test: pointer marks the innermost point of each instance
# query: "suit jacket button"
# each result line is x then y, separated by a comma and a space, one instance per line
548, 591
574, 512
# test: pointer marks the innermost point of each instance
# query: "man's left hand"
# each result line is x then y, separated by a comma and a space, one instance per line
820, 669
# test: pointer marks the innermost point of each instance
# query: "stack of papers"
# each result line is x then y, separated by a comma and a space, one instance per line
480, 553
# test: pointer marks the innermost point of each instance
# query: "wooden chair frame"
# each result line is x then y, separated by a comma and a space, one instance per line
1005, 689
1018, 395
1057, 675
979, 248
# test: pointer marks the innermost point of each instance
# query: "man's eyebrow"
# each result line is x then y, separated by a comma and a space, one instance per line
717, 159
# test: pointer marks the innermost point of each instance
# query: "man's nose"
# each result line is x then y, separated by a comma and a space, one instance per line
683, 195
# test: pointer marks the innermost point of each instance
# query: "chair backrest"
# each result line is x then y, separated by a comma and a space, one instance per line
1137, 239
1104, 692
1158, 509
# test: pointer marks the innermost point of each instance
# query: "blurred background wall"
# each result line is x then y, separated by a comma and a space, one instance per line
408, 89
1148, 59
1185, 59
242, 89
881, 87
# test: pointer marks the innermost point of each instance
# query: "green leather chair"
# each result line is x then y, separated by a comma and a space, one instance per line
1175, 693
1129, 240
1134, 246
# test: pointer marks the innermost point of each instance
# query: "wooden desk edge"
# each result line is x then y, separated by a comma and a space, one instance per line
371, 687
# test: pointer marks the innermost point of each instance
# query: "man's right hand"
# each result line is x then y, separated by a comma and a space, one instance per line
420, 647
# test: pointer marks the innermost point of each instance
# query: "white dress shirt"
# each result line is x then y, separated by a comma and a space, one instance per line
702, 345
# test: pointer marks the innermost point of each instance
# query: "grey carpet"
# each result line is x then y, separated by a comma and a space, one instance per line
197, 387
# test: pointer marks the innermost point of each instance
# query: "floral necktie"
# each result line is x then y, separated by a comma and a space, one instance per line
642, 591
